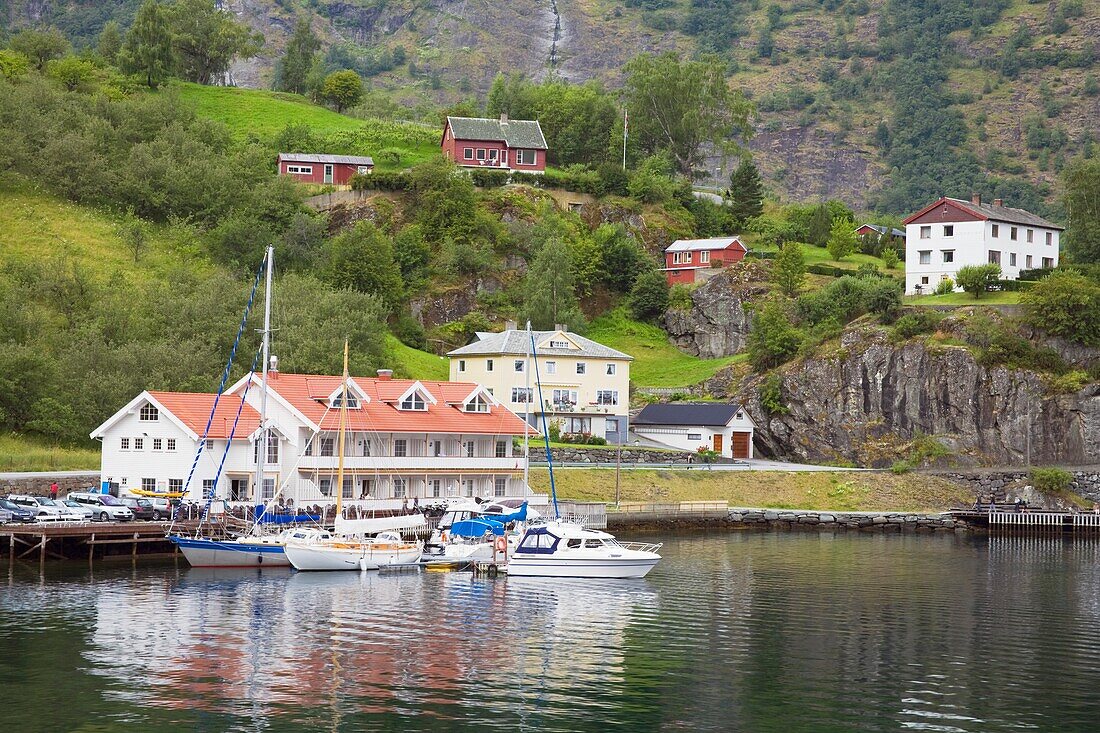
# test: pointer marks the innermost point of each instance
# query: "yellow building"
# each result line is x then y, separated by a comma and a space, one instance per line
585, 385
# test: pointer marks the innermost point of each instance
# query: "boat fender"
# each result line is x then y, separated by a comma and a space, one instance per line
259, 559
501, 544
443, 536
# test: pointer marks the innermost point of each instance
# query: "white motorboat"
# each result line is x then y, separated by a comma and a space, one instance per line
568, 550
316, 549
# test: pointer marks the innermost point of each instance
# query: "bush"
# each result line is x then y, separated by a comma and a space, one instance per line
773, 339
912, 324
1068, 383
488, 177
901, 467
649, 296
1065, 304
978, 279
945, 287
380, 181
890, 258
771, 395
679, 297
1050, 480
614, 179
820, 269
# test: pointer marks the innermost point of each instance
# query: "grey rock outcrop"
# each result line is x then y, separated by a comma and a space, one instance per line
718, 322
866, 399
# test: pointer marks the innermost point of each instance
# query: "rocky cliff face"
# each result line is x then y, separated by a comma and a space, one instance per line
868, 398
717, 324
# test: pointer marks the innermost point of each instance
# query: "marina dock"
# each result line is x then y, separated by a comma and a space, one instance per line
77, 541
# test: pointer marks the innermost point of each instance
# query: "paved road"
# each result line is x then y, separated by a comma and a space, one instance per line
752, 465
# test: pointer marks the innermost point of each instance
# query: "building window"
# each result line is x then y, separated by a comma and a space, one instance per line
347, 489
207, 486
158, 444
267, 489
926, 232
564, 397
364, 447
478, 404
468, 486
494, 154
400, 485
704, 256
481, 153
461, 365
468, 153
948, 230
499, 486
300, 169
148, 484
353, 401
1030, 236
1012, 234
468, 448
924, 280
1011, 259
581, 367
610, 370
925, 256
415, 401
1050, 238
994, 257
582, 425
551, 367
1027, 261
327, 446
325, 486
948, 255
400, 448
695, 436
124, 444
996, 230
363, 170
272, 448
1048, 262
559, 344
521, 394
437, 488
502, 449
525, 157
611, 425
171, 445
488, 365
149, 413
139, 444
607, 397
517, 365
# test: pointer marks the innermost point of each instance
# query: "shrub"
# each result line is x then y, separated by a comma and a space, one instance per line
679, 297
771, 395
978, 279
1072, 381
380, 181
649, 297
1050, 480
901, 467
912, 324
614, 179
773, 339
706, 455
488, 178
945, 287
1065, 304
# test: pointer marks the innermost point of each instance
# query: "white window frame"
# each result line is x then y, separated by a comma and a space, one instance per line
1014, 234
518, 366
149, 413
488, 365
1050, 238
400, 448
500, 486
1011, 259
610, 370
926, 231
924, 257
948, 255
300, 170
996, 230
1028, 261
948, 230
400, 488
526, 156
704, 257
171, 445
518, 395
478, 403
461, 365
607, 397
148, 484
124, 444
1030, 236
994, 257
694, 436
551, 367
1048, 262
559, 344
501, 449
467, 153
139, 444
582, 368
480, 155
414, 402
494, 154
158, 445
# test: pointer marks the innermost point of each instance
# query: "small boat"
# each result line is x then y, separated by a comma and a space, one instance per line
318, 549
240, 552
156, 494
467, 534
567, 550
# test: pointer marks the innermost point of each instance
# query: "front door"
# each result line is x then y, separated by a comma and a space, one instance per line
238, 489
328, 173
718, 443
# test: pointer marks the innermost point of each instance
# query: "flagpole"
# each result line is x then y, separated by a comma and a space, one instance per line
625, 121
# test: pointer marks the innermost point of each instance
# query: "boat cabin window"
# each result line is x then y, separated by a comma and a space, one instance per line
574, 543
593, 543
539, 542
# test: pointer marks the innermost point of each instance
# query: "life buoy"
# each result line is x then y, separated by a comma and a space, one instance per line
501, 544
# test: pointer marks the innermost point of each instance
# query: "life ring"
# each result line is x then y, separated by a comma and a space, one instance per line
501, 544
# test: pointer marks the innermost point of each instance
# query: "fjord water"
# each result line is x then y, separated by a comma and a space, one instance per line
732, 632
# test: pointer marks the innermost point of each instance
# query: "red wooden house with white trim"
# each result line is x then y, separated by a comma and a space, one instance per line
323, 169
478, 142
684, 258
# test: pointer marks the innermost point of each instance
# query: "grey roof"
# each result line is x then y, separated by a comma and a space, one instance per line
320, 158
882, 230
689, 414
1007, 214
516, 133
694, 245
518, 343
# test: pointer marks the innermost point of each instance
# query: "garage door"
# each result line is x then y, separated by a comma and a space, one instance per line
740, 444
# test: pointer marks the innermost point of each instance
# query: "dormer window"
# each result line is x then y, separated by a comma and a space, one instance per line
353, 401
414, 401
477, 404
149, 413
356, 398
556, 344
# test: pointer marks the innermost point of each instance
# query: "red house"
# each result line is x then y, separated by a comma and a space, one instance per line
477, 142
316, 168
685, 257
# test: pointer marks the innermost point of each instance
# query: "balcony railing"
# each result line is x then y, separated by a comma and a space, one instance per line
414, 463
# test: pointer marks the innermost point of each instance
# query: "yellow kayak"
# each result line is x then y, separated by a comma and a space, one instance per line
157, 494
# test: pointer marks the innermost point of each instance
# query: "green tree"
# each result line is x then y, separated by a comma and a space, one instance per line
147, 50
342, 89
1081, 198
109, 42
134, 235
72, 72
206, 39
681, 107
773, 338
890, 258
549, 297
820, 225
362, 259
842, 239
40, 47
649, 296
13, 64
978, 279
292, 70
789, 269
1066, 304
413, 255
746, 192
621, 259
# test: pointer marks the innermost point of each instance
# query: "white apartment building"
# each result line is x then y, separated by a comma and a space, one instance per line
585, 385
951, 233
404, 439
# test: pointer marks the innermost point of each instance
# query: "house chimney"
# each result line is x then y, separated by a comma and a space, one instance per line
976, 199
504, 118
510, 325
561, 327
273, 365
998, 202
385, 375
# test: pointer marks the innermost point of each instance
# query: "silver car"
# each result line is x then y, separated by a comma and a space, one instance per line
43, 507
73, 511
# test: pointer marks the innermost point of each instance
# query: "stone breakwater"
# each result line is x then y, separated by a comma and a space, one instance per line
804, 518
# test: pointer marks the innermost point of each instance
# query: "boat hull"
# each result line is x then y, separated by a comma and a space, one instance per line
559, 567
320, 557
202, 553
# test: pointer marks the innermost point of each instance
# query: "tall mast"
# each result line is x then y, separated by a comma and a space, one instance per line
340, 438
527, 421
261, 453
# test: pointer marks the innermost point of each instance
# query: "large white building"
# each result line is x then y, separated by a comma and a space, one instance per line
404, 439
951, 233
585, 385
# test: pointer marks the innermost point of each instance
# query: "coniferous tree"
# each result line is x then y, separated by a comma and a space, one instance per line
821, 223
549, 296
746, 193
292, 71
110, 42
147, 51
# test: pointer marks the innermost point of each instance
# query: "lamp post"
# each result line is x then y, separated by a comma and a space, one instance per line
619, 467
717, 173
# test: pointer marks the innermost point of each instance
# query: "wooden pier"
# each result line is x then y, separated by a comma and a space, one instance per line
1007, 518
77, 541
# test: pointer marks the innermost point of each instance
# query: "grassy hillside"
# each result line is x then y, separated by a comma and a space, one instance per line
414, 364
18, 453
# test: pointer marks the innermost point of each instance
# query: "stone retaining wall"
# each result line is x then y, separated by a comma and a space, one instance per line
885, 521
40, 485
1086, 482
581, 454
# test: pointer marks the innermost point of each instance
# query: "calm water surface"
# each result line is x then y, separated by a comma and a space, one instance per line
732, 632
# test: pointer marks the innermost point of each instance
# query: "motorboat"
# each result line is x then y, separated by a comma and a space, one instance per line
567, 550
318, 549
466, 533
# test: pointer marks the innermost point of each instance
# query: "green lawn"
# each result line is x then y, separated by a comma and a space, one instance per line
412, 363
996, 298
19, 453
819, 255
657, 363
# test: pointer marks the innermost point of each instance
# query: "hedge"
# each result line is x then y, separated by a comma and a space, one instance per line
1013, 286
380, 182
488, 178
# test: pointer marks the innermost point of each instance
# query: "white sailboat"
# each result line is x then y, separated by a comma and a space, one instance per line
562, 549
348, 547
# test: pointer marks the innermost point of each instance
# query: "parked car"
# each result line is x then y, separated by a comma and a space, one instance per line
83, 510
140, 506
12, 512
162, 508
104, 506
43, 508
74, 512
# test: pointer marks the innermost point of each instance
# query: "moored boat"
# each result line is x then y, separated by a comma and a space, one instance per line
240, 552
313, 549
567, 550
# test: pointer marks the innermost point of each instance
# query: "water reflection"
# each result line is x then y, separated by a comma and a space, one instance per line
746, 632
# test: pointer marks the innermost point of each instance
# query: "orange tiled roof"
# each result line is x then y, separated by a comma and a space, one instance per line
193, 410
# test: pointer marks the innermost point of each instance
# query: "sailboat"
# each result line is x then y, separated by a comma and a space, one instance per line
564, 549
347, 547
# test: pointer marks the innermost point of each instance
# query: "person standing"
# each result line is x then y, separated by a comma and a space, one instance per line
53, 490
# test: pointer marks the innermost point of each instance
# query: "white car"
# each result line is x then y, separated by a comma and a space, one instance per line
104, 506
73, 511
42, 506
